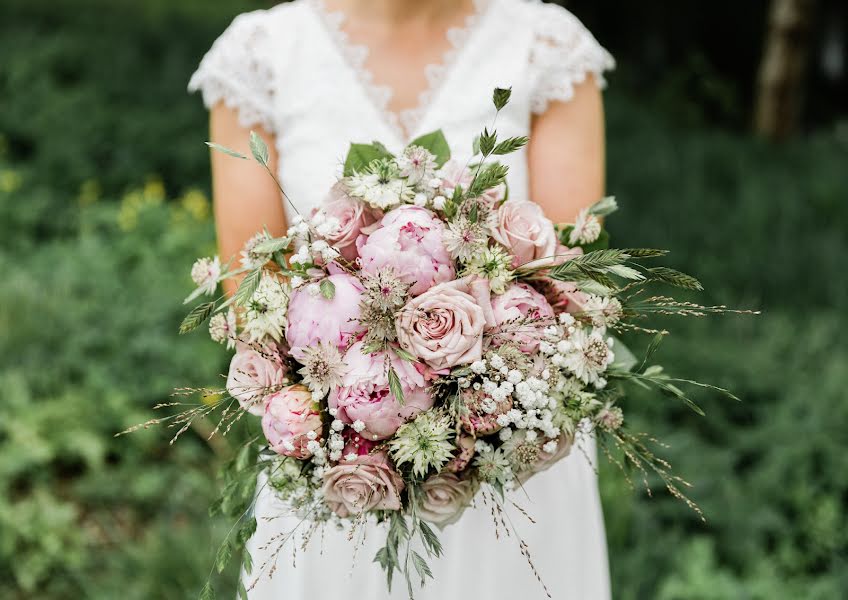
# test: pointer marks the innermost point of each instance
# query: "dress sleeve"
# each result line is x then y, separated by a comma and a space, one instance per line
238, 70
563, 53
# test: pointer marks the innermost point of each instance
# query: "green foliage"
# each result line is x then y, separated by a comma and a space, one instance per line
359, 156
436, 144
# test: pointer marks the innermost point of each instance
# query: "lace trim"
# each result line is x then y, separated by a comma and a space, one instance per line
237, 72
564, 53
404, 123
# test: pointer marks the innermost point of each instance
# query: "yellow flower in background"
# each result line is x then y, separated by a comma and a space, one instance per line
196, 204
89, 192
135, 201
154, 190
10, 181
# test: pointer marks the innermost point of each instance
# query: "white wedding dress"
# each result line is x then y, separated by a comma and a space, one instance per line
291, 70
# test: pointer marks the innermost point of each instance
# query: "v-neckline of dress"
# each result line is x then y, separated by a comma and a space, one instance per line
404, 124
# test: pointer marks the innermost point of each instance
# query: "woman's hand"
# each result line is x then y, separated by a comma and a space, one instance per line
566, 154
246, 199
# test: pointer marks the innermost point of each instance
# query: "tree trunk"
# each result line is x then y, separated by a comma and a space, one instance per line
781, 76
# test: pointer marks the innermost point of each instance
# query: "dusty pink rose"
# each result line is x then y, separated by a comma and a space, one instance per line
290, 415
253, 375
444, 497
353, 216
409, 240
365, 483
455, 173
444, 326
524, 230
521, 313
365, 395
312, 318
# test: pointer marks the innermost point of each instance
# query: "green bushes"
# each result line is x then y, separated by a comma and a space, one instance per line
91, 299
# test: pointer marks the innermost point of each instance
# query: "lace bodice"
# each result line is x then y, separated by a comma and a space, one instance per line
292, 71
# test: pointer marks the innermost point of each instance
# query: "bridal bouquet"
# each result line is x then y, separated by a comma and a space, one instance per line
423, 339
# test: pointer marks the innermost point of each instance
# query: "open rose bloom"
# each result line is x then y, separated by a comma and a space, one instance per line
423, 336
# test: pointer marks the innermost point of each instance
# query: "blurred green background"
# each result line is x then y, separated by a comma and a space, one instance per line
104, 204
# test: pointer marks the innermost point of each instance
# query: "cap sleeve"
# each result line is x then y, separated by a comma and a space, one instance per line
238, 71
563, 53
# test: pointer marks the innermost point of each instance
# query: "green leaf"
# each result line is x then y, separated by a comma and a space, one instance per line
248, 286
436, 143
431, 540
604, 207
328, 289
207, 593
500, 97
258, 148
624, 358
395, 387
510, 145
226, 150
404, 354
421, 567
272, 245
247, 530
359, 156
242, 591
197, 317
645, 252
225, 551
488, 141
649, 353
491, 175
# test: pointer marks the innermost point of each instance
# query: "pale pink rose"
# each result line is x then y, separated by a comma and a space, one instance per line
353, 216
521, 313
312, 318
409, 241
524, 230
366, 483
455, 173
290, 415
444, 326
444, 497
365, 395
253, 375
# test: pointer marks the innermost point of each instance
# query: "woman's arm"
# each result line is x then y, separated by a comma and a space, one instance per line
566, 154
245, 197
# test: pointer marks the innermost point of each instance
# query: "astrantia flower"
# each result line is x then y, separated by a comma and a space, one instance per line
384, 290
586, 230
222, 328
495, 264
492, 465
417, 164
250, 258
381, 185
464, 239
205, 273
424, 442
266, 310
589, 356
323, 368
603, 311
610, 417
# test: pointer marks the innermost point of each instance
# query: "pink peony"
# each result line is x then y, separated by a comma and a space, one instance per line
513, 308
312, 318
363, 484
444, 326
253, 375
352, 215
409, 240
290, 415
455, 173
365, 396
524, 230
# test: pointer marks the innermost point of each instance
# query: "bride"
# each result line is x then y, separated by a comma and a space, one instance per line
310, 76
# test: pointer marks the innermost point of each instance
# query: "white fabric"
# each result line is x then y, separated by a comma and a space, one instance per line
291, 70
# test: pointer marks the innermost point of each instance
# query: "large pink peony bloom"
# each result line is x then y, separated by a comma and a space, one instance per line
365, 396
290, 415
353, 216
524, 230
312, 318
366, 483
444, 326
253, 375
409, 241
521, 313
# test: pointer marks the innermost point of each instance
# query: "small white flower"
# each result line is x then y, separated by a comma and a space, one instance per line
550, 447
417, 164
350, 456
505, 434
515, 377
531, 435
358, 426
439, 202
311, 435
205, 273
223, 328
250, 258
420, 199
337, 425
266, 310
296, 281
586, 230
